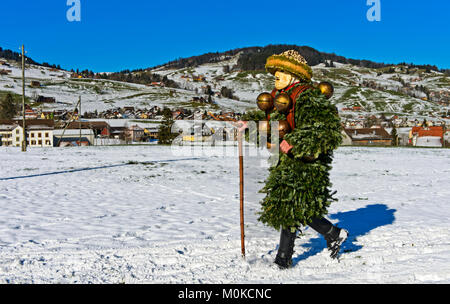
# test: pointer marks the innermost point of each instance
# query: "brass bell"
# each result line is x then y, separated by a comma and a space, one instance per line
265, 102
326, 88
283, 102
283, 128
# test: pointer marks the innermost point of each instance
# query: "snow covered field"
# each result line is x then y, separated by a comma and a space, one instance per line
178, 221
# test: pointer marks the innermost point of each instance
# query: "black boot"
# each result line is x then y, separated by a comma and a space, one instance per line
333, 235
286, 249
334, 239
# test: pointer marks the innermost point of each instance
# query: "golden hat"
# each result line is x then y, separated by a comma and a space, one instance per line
292, 62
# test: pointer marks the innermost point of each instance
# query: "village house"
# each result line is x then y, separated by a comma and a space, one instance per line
5, 72
356, 109
134, 133
152, 133
35, 84
73, 137
98, 127
155, 84
428, 136
30, 114
43, 99
39, 132
198, 78
118, 132
367, 137
75, 75
144, 116
6, 134
355, 124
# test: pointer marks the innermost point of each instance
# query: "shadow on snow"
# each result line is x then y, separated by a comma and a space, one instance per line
358, 223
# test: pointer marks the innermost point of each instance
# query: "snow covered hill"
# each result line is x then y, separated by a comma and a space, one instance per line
397, 90
148, 216
100, 94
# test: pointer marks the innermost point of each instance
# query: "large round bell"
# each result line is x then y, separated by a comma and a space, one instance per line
265, 101
326, 88
283, 128
283, 102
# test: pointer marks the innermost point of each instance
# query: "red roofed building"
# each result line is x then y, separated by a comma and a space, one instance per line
367, 137
427, 137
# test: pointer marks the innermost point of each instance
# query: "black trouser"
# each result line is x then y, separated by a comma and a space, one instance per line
321, 225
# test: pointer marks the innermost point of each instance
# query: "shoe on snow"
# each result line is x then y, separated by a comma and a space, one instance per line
286, 249
334, 244
283, 261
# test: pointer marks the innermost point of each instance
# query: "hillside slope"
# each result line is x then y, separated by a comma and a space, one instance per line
397, 90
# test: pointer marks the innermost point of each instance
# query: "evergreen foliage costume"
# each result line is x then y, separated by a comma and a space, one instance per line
298, 187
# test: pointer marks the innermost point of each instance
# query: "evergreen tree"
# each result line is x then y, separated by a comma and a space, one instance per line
8, 108
165, 136
226, 92
208, 90
394, 135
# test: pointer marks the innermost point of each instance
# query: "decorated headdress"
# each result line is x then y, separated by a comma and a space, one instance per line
292, 62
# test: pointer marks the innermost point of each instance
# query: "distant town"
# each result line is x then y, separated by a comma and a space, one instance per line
130, 125
144, 124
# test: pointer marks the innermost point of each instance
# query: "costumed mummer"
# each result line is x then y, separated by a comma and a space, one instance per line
298, 187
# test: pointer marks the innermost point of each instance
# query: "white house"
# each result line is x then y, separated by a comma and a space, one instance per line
37, 136
6, 134
39, 133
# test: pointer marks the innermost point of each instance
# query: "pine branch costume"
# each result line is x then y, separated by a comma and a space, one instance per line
298, 187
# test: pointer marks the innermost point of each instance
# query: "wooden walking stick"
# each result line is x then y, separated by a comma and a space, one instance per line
241, 177
241, 190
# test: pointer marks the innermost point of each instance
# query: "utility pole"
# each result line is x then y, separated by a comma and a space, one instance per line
24, 141
79, 118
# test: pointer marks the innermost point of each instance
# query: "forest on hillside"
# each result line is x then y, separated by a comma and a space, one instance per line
251, 59
139, 77
254, 58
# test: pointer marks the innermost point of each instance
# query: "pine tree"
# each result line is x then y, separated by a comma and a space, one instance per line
8, 108
394, 135
165, 136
